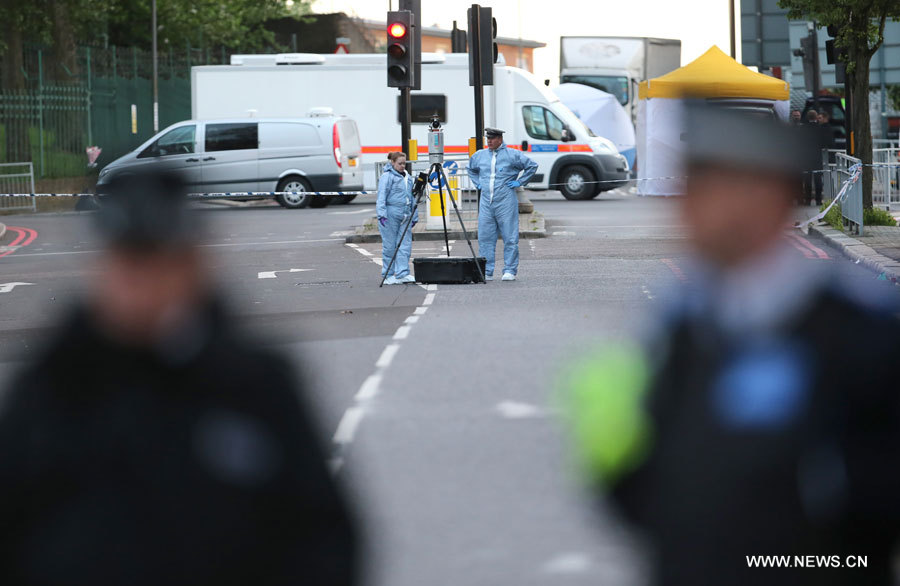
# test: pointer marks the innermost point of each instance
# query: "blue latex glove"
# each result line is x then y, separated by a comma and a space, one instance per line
513, 184
382, 221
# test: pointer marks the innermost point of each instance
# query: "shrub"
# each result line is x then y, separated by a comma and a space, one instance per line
878, 217
833, 217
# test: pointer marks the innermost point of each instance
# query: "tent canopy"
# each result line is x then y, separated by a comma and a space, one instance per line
714, 75
602, 113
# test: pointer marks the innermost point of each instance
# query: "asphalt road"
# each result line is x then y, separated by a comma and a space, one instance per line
438, 401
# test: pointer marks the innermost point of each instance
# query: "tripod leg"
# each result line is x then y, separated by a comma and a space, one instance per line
438, 170
415, 210
465, 232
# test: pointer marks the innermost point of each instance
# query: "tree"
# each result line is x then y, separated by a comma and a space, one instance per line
860, 25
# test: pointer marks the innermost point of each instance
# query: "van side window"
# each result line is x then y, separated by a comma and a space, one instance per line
231, 136
541, 123
178, 141
424, 107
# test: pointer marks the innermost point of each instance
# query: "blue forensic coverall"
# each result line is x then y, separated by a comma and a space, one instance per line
395, 204
497, 174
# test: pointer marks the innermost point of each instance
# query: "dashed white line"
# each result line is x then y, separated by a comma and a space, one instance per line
411, 319
420, 310
346, 429
429, 299
402, 333
363, 251
387, 356
369, 388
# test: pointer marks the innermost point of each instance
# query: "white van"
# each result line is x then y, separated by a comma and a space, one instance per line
317, 153
570, 158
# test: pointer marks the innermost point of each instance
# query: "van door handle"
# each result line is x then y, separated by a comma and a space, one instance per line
192, 160
525, 145
209, 159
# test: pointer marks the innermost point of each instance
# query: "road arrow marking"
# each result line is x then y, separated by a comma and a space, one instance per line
7, 287
272, 275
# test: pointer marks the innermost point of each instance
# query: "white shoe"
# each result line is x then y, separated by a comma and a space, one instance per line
408, 279
392, 280
508, 277
489, 277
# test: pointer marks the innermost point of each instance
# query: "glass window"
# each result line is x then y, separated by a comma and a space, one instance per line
615, 85
231, 136
178, 141
542, 124
425, 107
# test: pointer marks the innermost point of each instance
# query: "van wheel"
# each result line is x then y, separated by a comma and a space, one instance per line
343, 199
577, 182
294, 201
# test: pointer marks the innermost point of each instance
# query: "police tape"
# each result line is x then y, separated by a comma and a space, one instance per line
220, 195
855, 173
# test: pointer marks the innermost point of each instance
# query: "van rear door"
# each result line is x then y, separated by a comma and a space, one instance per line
348, 152
230, 161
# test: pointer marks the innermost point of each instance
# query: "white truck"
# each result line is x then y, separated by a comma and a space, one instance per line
570, 158
617, 65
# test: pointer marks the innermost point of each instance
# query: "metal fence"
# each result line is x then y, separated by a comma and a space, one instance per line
104, 99
460, 185
886, 178
17, 178
852, 205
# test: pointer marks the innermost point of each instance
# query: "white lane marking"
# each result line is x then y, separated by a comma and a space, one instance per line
363, 251
420, 310
402, 333
516, 410
271, 242
564, 233
531, 245
362, 211
272, 275
387, 356
429, 299
567, 563
351, 245
432, 287
646, 291
411, 319
378, 261
346, 429
7, 287
369, 388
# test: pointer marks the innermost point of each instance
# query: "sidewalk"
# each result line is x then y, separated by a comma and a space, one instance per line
530, 226
878, 249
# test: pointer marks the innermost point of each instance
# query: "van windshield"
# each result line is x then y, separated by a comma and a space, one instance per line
178, 141
615, 85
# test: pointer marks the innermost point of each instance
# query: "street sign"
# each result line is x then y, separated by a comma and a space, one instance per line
341, 49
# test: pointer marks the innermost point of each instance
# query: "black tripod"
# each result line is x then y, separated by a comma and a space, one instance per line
419, 190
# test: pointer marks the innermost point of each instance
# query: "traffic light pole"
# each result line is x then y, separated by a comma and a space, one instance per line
475, 49
405, 122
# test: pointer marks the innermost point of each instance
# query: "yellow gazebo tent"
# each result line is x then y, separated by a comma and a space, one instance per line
713, 75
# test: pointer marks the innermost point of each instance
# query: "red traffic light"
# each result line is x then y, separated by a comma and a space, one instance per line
397, 30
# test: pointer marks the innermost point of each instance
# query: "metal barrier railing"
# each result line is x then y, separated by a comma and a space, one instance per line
17, 178
460, 185
886, 177
852, 205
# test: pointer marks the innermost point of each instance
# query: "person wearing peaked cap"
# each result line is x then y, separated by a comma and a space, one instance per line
497, 171
152, 441
751, 420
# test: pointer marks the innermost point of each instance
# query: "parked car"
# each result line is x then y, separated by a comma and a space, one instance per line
317, 153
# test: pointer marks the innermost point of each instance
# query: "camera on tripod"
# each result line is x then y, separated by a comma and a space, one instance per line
435, 141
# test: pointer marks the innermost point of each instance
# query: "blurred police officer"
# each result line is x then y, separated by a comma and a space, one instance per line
762, 418
497, 171
153, 443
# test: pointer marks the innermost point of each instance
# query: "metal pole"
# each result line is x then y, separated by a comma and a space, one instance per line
90, 131
732, 29
438, 171
41, 106
155, 71
405, 116
816, 74
475, 49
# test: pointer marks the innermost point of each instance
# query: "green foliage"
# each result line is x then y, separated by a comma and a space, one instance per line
894, 96
878, 217
833, 217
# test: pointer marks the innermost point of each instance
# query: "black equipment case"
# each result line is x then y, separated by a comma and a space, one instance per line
449, 270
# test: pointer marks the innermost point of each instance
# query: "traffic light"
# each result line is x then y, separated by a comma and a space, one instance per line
809, 52
400, 53
483, 51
